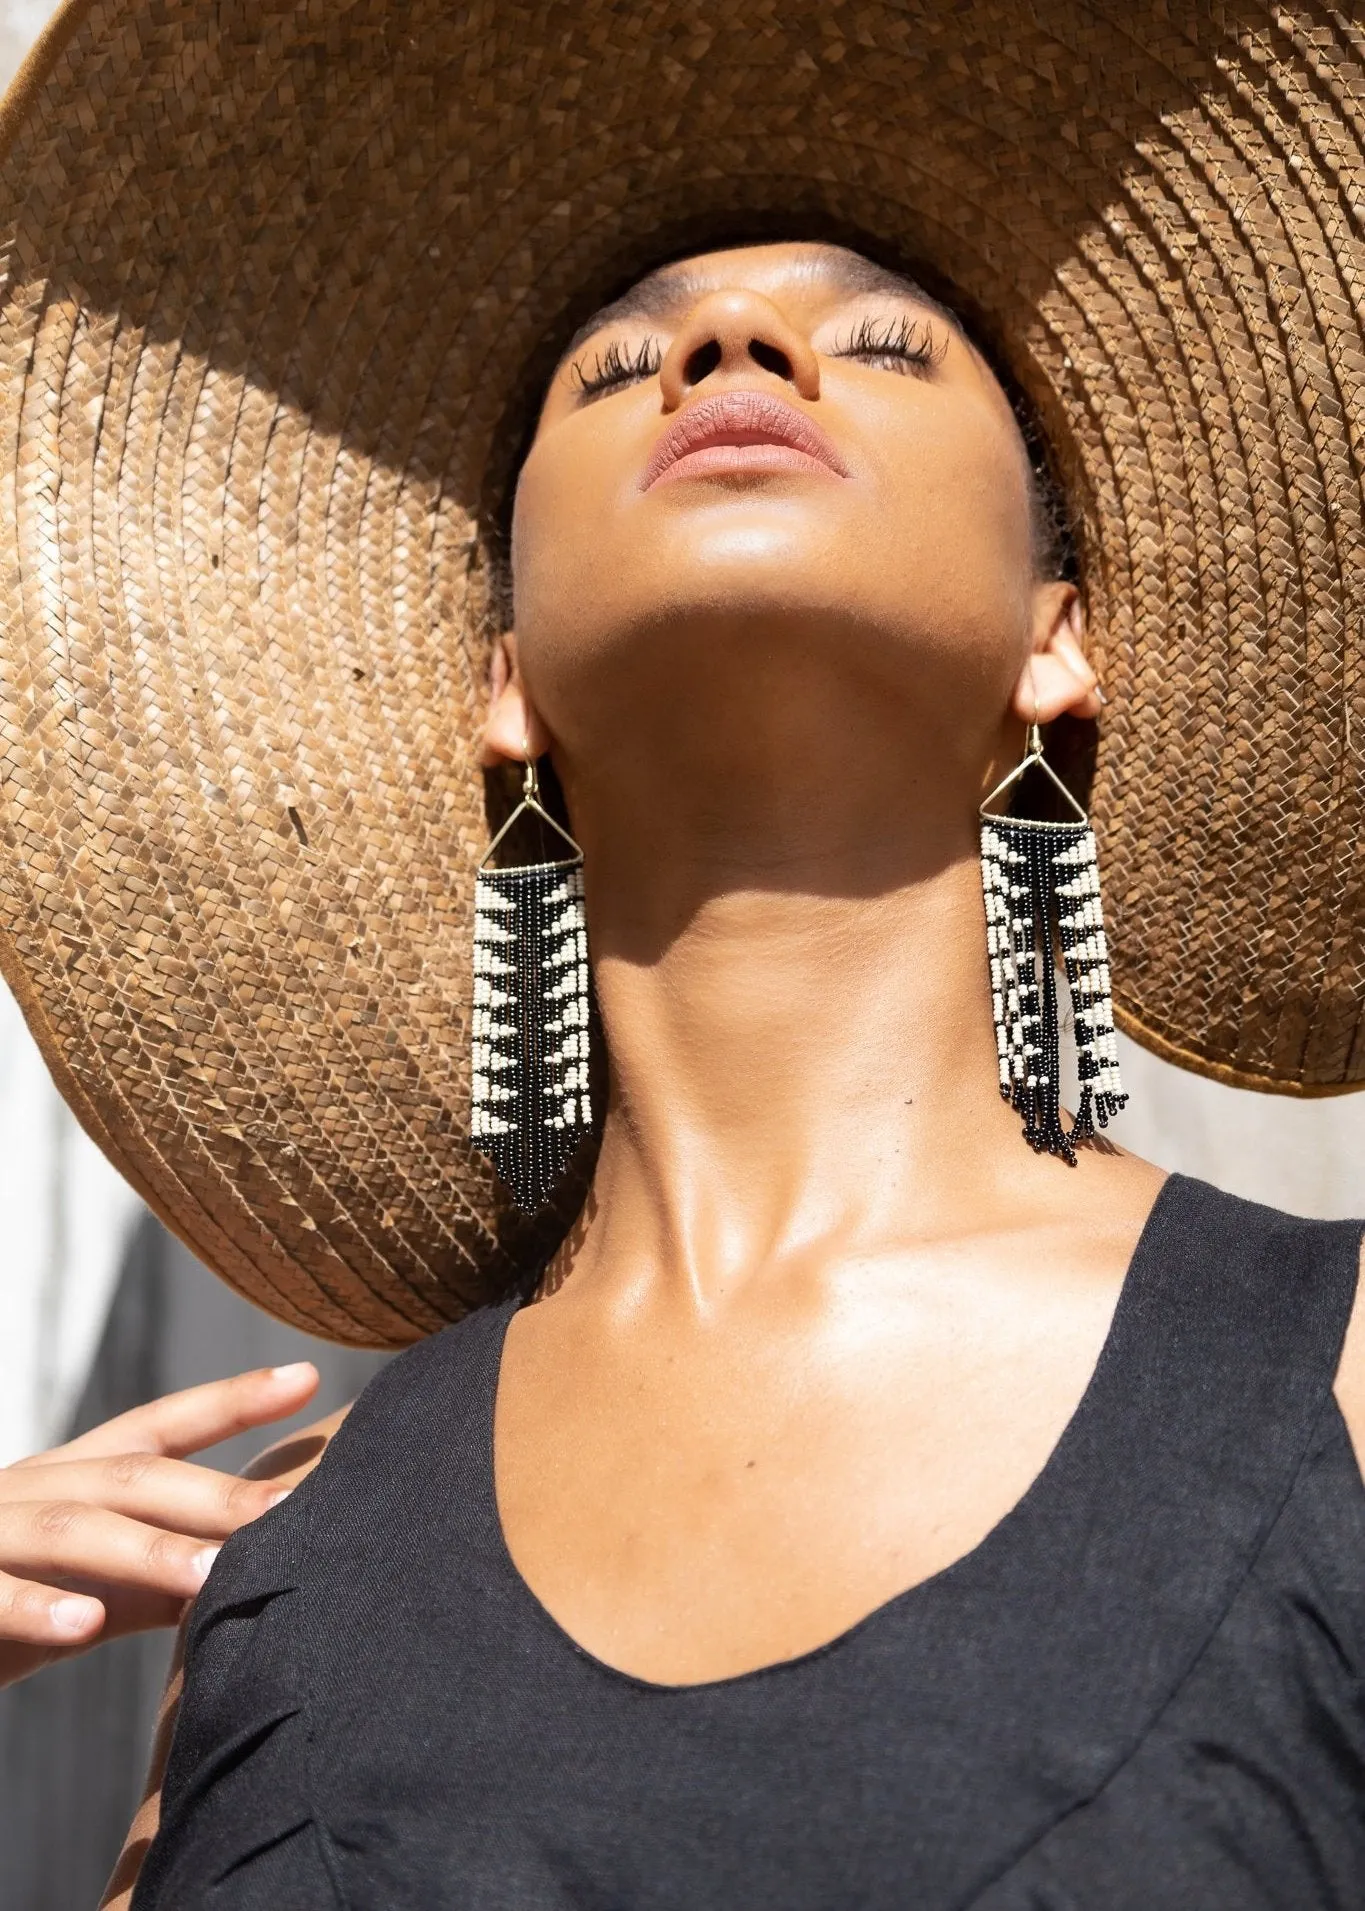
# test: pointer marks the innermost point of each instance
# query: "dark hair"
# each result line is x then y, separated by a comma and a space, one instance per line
1054, 547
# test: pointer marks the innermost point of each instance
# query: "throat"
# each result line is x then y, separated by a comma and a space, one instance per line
792, 1068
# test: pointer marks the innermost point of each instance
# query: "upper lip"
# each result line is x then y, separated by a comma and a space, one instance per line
741, 418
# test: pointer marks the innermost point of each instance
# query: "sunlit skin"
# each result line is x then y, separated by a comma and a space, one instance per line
829, 1313
826, 1315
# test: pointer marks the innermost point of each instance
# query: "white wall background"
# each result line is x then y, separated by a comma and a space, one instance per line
65, 1216
1305, 1156
21, 21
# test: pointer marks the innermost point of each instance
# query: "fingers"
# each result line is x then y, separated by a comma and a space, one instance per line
113, 1514
40, 1624
49, 1540
181, 1423
144, 1486
37, 1615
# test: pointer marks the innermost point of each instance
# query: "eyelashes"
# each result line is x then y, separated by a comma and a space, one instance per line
899, 344
616, 367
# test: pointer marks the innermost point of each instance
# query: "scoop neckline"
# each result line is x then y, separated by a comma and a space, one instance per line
1010, 1530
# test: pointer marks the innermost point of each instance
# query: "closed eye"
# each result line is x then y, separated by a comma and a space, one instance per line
615, 368
900, 344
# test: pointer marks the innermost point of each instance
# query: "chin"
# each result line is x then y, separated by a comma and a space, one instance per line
743, 568
753, 526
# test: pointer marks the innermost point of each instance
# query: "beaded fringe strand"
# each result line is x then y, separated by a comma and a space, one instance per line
1042, 888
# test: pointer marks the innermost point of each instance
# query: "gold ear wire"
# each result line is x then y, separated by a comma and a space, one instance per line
530, 800
1033, 753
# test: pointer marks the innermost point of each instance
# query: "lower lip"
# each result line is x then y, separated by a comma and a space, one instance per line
741, 461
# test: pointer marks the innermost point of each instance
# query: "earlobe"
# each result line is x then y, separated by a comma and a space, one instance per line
513, 730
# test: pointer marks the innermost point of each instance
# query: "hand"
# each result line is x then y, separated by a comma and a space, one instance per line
113, 1532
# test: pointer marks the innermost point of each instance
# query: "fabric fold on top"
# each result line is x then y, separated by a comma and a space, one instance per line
238, 1763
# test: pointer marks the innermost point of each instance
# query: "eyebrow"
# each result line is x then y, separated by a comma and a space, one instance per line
661, 291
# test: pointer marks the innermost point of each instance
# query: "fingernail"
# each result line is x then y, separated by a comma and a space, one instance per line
202, 1562
294, 1371
75, 1615
1100, 694
275, 1498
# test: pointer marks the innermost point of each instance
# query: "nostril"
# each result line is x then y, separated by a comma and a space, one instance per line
702, 362
770, 358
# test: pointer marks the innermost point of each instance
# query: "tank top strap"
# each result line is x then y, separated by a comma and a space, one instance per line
412, 1463
1225, 1347
1217, 1370
1076, 1621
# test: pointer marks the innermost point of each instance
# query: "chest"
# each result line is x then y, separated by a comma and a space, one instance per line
1142, 1687
694, 1507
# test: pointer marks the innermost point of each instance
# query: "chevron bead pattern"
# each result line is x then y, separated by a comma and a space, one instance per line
530, 1103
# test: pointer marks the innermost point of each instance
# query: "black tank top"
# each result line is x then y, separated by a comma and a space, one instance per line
1142, 1690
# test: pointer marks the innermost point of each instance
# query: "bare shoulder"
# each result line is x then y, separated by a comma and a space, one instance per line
289, 1461
1115, 1192
293, 1458
1351, 1373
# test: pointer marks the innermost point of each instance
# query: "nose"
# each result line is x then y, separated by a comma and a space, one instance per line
737, 332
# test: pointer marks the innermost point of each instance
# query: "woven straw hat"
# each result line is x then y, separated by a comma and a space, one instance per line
279, 279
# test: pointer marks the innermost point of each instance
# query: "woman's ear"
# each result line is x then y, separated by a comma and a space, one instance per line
1057, 676
512, 731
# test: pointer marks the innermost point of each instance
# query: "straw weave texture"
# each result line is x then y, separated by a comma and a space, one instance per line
273, 277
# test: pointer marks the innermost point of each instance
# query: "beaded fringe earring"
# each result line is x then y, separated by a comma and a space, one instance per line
1042, 887
530, 1101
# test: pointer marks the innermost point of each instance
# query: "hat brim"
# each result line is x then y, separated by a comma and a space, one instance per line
276, 281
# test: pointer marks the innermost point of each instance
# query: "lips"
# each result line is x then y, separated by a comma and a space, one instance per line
741, 432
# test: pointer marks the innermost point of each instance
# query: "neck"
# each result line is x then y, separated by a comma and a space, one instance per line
799, 1026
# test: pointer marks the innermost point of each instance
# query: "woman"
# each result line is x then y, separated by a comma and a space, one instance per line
866, 1506
815, 1377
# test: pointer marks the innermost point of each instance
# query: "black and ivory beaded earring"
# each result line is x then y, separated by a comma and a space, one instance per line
1042, 887
530, 1103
